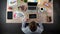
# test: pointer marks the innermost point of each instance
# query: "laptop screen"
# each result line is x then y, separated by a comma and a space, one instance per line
32, 3
31, 8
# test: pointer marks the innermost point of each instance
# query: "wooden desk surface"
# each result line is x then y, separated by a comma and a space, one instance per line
41, 17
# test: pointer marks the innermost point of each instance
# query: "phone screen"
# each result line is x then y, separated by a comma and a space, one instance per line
9, 15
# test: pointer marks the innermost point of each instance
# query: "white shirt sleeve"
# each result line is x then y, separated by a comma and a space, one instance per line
25, 29
39, 29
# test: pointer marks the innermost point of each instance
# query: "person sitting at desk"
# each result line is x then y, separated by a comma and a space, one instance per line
32, 28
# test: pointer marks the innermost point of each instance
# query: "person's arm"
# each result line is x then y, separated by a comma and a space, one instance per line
23, 24
40, 28
40, 24
25, 27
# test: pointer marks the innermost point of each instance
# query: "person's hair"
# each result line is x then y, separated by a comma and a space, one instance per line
33, 26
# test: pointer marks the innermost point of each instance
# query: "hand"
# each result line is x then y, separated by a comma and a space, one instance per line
25, 20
